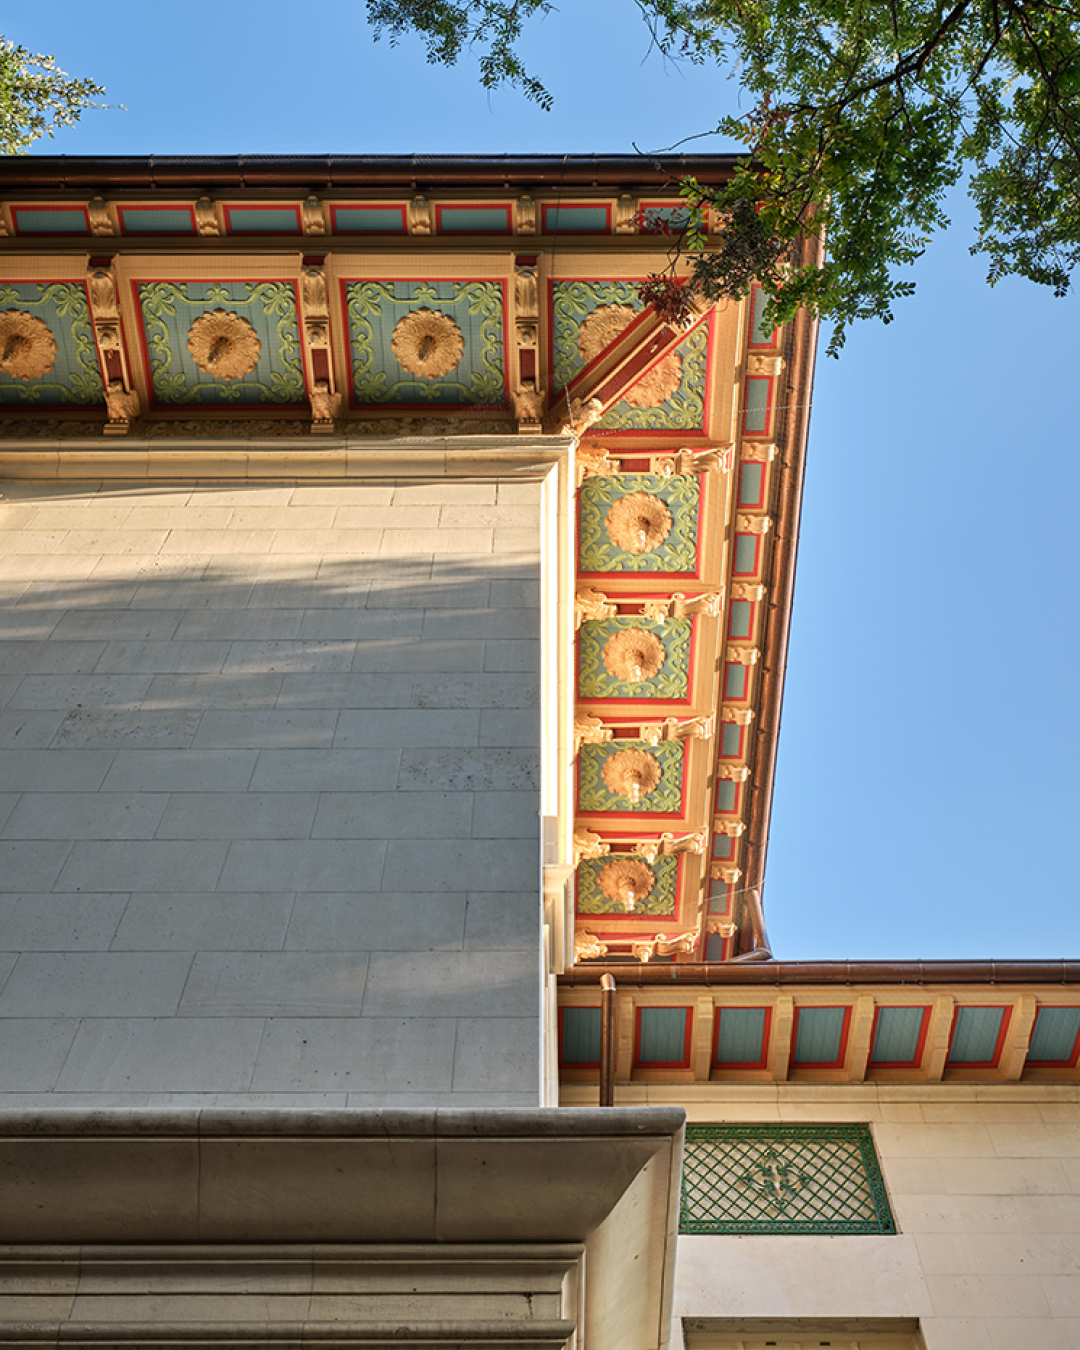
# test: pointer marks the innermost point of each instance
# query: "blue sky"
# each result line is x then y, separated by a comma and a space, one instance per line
926, 775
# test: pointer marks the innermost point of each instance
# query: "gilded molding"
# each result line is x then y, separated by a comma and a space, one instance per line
27, 347
224, 344
590, 731
586, 844
753, 524
427, 343
206, 218
588, 947
589, 604
672, 729
633, 655
667, 845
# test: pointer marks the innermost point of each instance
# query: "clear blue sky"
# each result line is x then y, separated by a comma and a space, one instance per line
927, 788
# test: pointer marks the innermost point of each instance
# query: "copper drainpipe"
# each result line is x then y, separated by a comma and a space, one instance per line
607, 1040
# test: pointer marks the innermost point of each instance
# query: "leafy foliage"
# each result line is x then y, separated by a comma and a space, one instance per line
864, 114
37, 98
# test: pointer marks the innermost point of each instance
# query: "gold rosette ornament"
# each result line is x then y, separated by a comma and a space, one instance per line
601, 329
633, 655
427, 343
626, 881
224, 345
27, 348
638, 523
631, 773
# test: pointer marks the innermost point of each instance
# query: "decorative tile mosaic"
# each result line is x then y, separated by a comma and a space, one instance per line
572, 304
65, 354
466, 317
170, 309
592, 899
601, 660
596, 774
782, 1179
639, 522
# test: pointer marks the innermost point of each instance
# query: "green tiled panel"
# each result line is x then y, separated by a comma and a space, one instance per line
757, 403
741, 1036
897, 1037
75, 376
750, 476
671, 681
817, 1040
581, 1036
745, 554
663, 1035
975, 1037
594, 794
1054, 1037
742, 614
681, 496
778, 1179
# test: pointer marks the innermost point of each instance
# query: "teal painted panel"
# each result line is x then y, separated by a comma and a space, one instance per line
750, 480
576, 219
676, 548
740, 619
51, 222
714, 947
975, 1037
817, 1040
136, 221
599, 793
745, 554
662, 1037
169, 310
741, 1037
599, 891
730, 739
602, 641
369, 219
735, 680
723, 846
376, 308
74, 376
727, 796
760, 334
1054, 1037
757, 403
474, 220
664, 219
262, 220
581, 1036
896, 1040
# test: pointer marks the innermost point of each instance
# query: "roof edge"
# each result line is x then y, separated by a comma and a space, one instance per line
1061, 971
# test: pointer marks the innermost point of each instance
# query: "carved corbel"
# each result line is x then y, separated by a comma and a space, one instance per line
528, 398
590, 730
671, 729
206, 219
720, 926
662, 945
725, 873
588, 845
742, 656
733, 773
669, 844
420, 216
588, 947
121, 401
4, 231
753, 524
765, 365
325, 401
740, 716
747, 590
680, 606
732, 828
314, 220
528, 408
525, 215
695, 461
581, 415
123, 407
97, 209
592, 605
593, 459
626, 215
761, 452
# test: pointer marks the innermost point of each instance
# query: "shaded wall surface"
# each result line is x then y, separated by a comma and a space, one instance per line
269, 794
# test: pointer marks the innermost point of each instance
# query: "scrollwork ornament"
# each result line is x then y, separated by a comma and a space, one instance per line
586, 844
589, 730
589, 604
224, 344
27, 347
427, 343
588, 947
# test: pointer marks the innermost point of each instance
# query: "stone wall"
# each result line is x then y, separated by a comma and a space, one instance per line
268, 794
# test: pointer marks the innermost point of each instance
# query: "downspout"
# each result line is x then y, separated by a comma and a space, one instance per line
607, 1040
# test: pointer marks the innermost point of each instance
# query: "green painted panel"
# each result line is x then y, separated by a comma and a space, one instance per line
594, 794
1054, 1037
750, 476
676, 552
740, 1039
757, 403
576, 219
591, 899
760, 334
727, 796
723, 846
263, 220
476, 307
156, 220
75, 376
474, 220
599, 638
817, 1040
896, 1040
730, 739
369, 219
975, 1036
662, 1035
170, 308
60, 221
740, 619
735, 680
797, 1179
665, 219
745, 554
581, 1036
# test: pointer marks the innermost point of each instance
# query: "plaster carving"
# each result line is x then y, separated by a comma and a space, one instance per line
747, 590
528, 335
638, 523
753, 524
740, 716
626, 881
725, 873
631, 773
633, 655
4, 231
427, 343
314, 221
526, 293
761, 452
601, 328
588, 947
592, 605
325, 406
525, 215
27, 347
742, 656
593, 459
206, 221
626, 215
590, 730
419, 216
667, 845
123, 406
680, 606
314, 288
528, 406
101, 285
224, 345
765, 365
671, 729
720, 926
97, 208
584, 413
662, 945
695, 461
733, 773
586, 844
108, 335
732, 828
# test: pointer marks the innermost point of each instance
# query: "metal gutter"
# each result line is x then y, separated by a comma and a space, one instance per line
327, 173
828, 972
